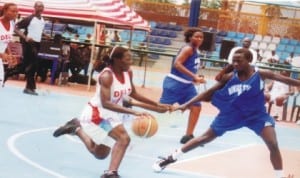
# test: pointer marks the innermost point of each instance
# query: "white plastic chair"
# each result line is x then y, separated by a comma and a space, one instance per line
257, 37
272, 46
267, 39
262, 46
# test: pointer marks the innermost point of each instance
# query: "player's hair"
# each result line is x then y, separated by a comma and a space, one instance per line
5, 7
190, 32
246, 52
116, 53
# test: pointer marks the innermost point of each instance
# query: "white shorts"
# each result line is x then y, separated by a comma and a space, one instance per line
97, 134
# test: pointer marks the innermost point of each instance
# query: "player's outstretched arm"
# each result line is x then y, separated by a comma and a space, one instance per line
206, 95
161, 108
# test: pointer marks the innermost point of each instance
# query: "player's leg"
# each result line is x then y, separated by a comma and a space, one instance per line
206, 137
268, 134
195, 109
120, 135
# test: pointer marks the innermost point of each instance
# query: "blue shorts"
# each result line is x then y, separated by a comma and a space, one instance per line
234, 120
177, 92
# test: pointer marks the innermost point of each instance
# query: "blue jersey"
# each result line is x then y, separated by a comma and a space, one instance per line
241, 104
192, 64
245, 98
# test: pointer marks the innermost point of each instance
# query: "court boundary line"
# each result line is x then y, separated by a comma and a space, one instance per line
12, 148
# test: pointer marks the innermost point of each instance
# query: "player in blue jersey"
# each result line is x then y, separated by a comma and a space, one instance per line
239, 96
178, 85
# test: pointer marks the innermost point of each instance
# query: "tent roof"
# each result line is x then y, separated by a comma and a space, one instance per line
113, 12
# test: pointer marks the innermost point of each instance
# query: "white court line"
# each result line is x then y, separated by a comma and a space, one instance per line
203, 156
218, 152
11, 145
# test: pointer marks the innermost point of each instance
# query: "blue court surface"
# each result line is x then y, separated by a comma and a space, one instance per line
29, 150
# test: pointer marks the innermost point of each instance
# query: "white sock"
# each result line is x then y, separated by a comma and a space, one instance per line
177, 153
279, 173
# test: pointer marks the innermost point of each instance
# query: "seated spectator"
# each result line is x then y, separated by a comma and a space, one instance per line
277, 93
289, 59
76, 38
116, 37
88, 38
273, 57
259, 55
103, 37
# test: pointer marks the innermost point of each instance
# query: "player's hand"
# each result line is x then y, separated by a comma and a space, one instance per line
199, 79
162, 108
182, 107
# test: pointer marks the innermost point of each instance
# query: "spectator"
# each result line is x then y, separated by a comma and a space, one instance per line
289, 59
116, 37
259, 55
246, 43
31, 38
273, 57
277, 92
103, 37
76, 38
88, 38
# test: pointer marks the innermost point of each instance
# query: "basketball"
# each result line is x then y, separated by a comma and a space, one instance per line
144, 126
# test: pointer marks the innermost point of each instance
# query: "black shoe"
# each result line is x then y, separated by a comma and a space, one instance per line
69, 128
163, 163
110, 174
30, 91
186, 138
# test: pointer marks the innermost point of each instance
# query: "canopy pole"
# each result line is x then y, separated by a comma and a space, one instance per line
90, 68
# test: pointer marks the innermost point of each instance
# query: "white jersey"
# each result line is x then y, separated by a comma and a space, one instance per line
278, 89
35, 29
118, 89
6, 36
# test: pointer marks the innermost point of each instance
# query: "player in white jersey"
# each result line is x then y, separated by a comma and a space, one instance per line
9, 14
103, 115
278, 93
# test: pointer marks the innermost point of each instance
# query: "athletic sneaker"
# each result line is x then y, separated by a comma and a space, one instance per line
110, 174
69, 128
186, 138
163, 163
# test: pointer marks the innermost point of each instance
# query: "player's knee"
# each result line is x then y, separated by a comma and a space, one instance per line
125, 140
101, 151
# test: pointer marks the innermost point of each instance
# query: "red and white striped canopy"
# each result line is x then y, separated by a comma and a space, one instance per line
103, 11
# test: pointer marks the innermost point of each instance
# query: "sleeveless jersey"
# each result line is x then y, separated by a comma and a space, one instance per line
243, 97
6, 36
192, 64
279, 88
118, 89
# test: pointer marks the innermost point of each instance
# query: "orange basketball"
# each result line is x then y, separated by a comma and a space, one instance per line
144, 126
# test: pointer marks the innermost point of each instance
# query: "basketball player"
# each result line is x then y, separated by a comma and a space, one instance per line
178, 85
9, 14
104, 113
239, 96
